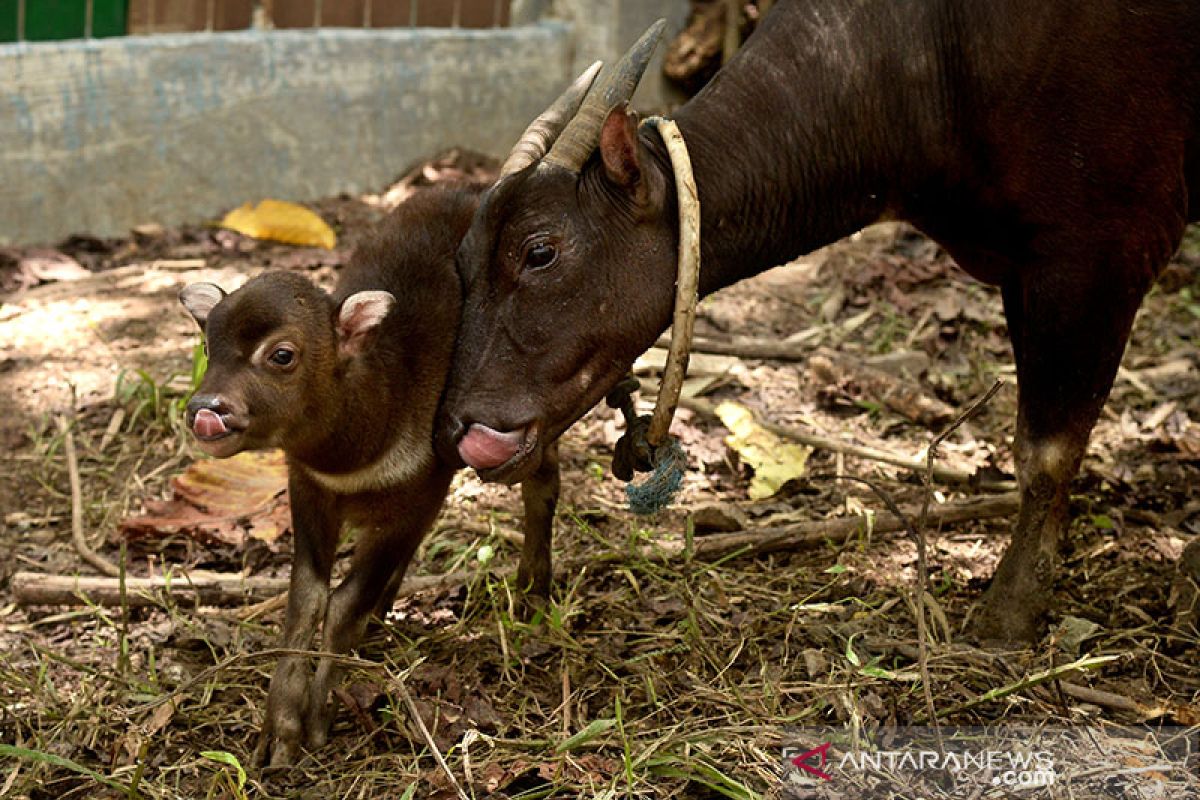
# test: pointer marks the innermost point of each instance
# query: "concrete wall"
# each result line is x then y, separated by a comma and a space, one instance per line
605, 28
98, 136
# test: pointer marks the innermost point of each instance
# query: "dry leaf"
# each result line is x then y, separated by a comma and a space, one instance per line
50, 265
774, 461
238, 485
281, 221
222, 501
159, 718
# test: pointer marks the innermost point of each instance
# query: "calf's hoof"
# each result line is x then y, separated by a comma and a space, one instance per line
274, 754
279, 741
318, 724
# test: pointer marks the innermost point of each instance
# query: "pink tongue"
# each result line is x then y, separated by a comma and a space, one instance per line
208, 424
484, 448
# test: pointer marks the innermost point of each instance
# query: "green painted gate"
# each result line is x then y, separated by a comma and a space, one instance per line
47, 20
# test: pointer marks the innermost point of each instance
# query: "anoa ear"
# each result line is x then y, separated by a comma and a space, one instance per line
358, 316
619, 147
200, 299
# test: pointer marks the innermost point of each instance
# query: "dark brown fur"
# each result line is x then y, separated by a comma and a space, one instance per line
350, 393
1050, 145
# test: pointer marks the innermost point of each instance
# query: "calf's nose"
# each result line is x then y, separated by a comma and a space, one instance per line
201, 402
206, 416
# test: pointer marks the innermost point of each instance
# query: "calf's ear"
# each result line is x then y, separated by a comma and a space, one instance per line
200, 299
358, 316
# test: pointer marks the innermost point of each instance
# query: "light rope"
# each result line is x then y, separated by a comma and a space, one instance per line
658, 451
687, 281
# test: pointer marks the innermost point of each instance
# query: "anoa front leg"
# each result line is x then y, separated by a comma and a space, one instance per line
539, 493
389, 527
316, 525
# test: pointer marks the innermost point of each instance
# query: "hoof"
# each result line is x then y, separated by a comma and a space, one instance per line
283, 756
528, 604
534, 592
997, 623
318, 725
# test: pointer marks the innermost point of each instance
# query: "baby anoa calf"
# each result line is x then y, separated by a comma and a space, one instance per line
348, 386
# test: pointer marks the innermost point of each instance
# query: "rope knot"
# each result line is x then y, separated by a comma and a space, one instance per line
635, 453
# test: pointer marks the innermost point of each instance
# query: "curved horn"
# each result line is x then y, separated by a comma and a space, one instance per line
580, 137
542, 132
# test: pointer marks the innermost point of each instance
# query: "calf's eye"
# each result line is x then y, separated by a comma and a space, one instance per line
282, 357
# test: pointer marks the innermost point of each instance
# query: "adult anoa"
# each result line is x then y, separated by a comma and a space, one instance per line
1049, 145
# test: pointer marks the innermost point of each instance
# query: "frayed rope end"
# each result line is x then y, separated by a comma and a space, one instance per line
656, 492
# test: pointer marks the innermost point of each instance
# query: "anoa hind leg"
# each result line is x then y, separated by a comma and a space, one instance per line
1069, 325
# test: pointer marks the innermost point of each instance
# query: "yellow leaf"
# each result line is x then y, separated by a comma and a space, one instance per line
774, 461
282, 222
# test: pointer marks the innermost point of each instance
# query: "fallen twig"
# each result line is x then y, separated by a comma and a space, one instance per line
747, 347
923, 599
1111, 701
205, 588
415, 713
212, 588
790, 537
1181, 714
943, 474
77, 536
1028, 682
261, 609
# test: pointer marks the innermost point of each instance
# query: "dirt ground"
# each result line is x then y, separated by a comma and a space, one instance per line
653, 673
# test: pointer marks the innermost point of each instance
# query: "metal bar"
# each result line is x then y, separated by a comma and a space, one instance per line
317, 13
89, 12
456, 15
210, 16
412, 13
20, 20
367, 14
496, 15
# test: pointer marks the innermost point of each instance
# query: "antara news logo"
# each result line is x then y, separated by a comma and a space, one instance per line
1009, 768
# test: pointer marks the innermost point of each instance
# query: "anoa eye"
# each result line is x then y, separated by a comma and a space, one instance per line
540, 255
282, 357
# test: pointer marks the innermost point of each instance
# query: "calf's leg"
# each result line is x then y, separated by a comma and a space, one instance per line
1069, 325
387, 541
316, 527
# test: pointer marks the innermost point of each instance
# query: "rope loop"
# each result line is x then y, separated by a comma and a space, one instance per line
646, 445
